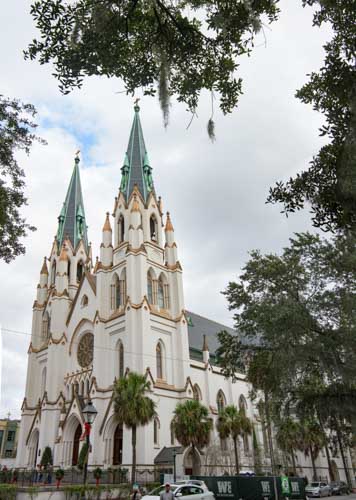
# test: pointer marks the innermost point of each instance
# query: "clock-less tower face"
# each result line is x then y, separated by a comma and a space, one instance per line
85, 350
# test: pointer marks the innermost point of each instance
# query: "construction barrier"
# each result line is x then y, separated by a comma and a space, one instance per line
253, 488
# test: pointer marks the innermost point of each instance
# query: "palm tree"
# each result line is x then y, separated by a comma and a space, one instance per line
288, 438
233, 422
132, 407
191, 426
312, 439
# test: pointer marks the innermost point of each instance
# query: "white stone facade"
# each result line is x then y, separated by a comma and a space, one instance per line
132, 303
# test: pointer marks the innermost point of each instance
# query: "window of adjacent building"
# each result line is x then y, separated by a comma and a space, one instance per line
121, 229
11, 435
159, 361
220, 400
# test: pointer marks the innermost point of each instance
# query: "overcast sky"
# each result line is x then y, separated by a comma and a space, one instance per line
215, 192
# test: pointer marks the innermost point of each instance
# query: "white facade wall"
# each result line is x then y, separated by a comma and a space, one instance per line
51, 414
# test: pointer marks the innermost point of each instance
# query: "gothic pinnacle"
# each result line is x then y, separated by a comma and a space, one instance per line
107, 226
44, 269
169, 226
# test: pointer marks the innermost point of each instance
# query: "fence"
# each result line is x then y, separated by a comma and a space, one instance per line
145, 476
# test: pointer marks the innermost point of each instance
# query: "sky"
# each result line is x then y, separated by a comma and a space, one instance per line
215, 192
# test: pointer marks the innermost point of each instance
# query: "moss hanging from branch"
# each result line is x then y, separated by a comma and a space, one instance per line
163, 88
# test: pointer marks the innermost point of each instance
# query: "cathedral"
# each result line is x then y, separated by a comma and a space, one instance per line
95, 321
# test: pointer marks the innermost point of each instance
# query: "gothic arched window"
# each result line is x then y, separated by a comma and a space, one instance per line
156, 431
196, 393
160, 294
220, 400
80, 270
243, 409
149, 289
172, 434
46, 324
121, 229
53, 272
43, 381
159, 361
153, 228
121, 359
118, 291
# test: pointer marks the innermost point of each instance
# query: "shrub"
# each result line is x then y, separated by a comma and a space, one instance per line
46, 459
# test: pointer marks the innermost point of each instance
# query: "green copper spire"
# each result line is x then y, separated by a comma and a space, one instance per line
71, 222
136, 168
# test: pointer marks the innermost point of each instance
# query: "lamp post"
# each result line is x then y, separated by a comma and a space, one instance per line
174, 466
89, 414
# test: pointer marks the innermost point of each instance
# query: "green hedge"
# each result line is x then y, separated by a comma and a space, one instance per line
8, 491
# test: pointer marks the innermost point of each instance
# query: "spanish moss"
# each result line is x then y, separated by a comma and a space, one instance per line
211, 130
163, 88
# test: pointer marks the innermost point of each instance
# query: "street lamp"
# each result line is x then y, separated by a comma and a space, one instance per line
89, 414
174, 466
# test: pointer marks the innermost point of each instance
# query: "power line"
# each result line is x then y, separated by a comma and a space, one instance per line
111, 349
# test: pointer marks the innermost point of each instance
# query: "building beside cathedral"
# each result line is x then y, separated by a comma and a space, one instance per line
94, 321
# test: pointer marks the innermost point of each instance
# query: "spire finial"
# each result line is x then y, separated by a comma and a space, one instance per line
44, 269
107, 226
169, 226
77, 158
205, 344
136, 106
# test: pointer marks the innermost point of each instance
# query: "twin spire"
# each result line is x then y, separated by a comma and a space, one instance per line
71, 221
136, 171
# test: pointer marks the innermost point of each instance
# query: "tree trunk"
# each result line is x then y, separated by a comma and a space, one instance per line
133, 442
315, 476
236, 456
293, 462
341, 446
331, 471
269, 433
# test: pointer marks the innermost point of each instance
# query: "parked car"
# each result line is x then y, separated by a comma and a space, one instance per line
197, 482
188, 491
318, 489
339, 488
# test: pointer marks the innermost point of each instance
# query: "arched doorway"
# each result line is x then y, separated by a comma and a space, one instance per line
335, 470
76, 442
118, 438
192, 463
33, 448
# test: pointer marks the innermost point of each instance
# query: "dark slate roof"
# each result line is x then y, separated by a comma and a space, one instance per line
198, 326
165, 456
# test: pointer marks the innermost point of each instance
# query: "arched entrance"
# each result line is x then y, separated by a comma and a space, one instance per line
33, 448
76, 443
335, 470
117, 448
192, 463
